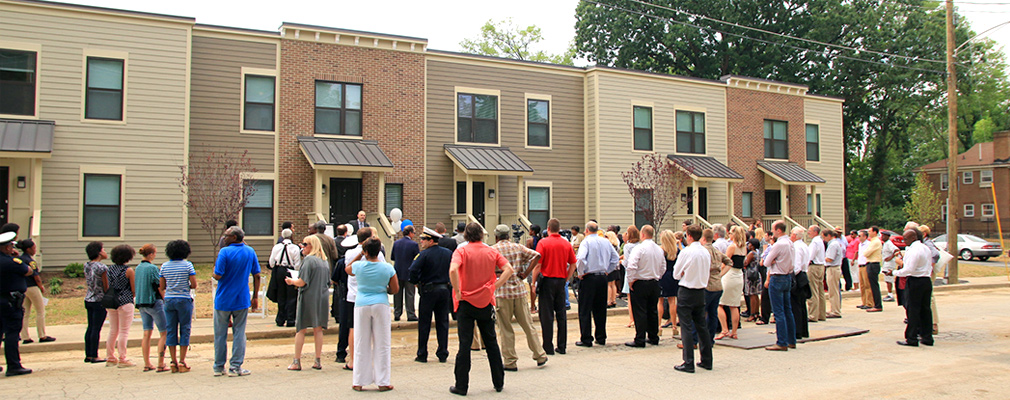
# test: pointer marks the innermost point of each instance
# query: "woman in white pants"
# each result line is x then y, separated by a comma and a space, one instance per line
33, 297
372, 338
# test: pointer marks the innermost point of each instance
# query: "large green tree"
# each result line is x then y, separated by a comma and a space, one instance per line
505, 39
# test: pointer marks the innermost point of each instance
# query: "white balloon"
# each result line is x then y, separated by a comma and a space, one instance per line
395, 214
396, 225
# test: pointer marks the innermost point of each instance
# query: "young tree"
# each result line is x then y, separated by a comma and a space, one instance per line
924, 203
504, 39
656, 183
215, 189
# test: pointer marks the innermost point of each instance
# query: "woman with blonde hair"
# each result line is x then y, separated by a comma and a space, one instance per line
667, 284
732, 283
613, 277
631, 238
313, 299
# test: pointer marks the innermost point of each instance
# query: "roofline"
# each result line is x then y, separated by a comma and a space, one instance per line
233, 29
656, 74
103, 10
295, 25
826, 97
456, 54
726, 78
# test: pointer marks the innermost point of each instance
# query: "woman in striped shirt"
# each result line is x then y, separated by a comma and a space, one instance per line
178, 277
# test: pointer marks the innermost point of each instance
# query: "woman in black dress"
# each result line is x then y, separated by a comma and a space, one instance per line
667, 285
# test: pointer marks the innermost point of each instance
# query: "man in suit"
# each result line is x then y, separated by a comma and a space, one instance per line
445, 241
404, 252
359, 222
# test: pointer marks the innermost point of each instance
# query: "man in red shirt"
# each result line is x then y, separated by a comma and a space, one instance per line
472, 272
557, 264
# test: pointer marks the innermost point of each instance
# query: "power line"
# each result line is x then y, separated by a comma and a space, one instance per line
699, 16
802, 49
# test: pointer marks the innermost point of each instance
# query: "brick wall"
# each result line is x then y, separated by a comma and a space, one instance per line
392, 114
746, 111
973, 193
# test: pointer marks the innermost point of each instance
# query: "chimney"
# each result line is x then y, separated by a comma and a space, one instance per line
1001, 146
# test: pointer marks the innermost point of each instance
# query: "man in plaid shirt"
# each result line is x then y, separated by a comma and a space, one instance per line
512, 299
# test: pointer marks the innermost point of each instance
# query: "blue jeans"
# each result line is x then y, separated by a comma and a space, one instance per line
179, 313
238, 319
779, 287
153, 316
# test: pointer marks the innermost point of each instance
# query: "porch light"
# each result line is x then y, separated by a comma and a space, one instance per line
22, 182
324, 188
490, 193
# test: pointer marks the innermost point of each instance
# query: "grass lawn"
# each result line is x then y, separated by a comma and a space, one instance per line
975, 271
68, 307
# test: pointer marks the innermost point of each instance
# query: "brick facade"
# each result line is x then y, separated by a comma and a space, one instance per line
977, 195
392, 114
746, 111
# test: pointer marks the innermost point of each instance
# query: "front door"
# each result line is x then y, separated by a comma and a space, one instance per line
478, 200
702, 202
4, 194
773, 202
345, 200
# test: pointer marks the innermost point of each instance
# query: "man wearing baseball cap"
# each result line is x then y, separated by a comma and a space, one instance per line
12, 294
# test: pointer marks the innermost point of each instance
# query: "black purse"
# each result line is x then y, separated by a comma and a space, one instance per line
111, 298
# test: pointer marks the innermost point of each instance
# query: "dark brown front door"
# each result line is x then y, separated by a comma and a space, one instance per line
345, 200
478, 200
5, 180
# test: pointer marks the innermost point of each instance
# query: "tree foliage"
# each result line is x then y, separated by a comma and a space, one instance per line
656, 184
216, 188
505, 39
923, 203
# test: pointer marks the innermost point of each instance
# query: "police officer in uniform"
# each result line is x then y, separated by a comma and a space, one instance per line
430, 273
12, 296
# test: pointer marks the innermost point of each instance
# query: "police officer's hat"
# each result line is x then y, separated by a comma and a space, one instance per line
7, 238
428, 233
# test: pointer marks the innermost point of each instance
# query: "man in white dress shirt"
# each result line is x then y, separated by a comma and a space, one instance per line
801, 262
916, 265
646, 265
833, 257
815, 273
720, 243
692, 269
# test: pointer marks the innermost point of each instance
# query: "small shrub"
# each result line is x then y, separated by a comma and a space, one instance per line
55, 286
74, 270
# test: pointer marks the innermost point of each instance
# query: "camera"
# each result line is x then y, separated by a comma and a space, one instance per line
517, 233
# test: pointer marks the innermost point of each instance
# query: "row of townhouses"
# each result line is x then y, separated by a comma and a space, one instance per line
100, 108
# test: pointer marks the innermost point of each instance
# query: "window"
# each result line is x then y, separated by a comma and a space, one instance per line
690, 132
477, 118
943, 213
538, 209
969, 210
643, 128
101, 212
813, 143
394, 196
18, 74
943, 182
747, 202
643, 207
258, 213
985, 178
538, 123
810, 203
776, 139
818, 204
968, 177
104, 97
338, 108
259, 103
988, 210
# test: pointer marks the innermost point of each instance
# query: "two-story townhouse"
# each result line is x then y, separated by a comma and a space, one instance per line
94, 118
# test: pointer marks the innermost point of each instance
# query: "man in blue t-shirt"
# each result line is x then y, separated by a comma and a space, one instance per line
232, 300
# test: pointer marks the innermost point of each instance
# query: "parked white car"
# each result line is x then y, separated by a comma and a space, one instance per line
970, 246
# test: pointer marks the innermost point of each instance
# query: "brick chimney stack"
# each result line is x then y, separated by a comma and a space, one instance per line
1001, 146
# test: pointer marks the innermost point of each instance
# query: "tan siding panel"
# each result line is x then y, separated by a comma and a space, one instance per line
831, 168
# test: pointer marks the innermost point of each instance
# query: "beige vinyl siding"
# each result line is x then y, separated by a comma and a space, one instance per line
149, 145
563, 164
618, 92
592, 162
828, 115
214, 117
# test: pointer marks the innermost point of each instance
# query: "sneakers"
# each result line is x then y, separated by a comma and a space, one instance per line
219, 373
888, 298
238, 372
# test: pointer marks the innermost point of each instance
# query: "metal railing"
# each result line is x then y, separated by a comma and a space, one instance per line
704, 223
822, 222
738, 221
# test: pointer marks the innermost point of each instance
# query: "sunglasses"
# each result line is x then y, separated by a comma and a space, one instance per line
303, 244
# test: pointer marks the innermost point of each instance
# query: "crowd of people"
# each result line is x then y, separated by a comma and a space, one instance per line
697, 279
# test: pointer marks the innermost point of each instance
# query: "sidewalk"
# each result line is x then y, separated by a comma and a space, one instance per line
71, 337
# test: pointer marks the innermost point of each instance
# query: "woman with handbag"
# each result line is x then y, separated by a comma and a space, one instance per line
152, 307
313, 299
119, 299
94, 276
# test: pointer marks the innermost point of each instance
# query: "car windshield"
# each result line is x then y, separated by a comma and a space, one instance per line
941, 238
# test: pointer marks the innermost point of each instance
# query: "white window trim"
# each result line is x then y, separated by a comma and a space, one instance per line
37, 48
944, 181
742, 209
330, 135
114, 54
277, 98
261, 176
982, 182
943, 213
107, 170
763, 120
992, 210
550, 196
455, 113
526, 123
968, 177
688, 108
969, 210
820, 155
652, 123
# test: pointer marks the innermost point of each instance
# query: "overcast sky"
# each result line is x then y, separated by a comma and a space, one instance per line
443, 22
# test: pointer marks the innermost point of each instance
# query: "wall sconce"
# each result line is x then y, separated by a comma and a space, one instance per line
324, 188
490, 193
22, 182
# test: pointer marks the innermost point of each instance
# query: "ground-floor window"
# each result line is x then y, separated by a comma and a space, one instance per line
538, 208
102, 206
258, 213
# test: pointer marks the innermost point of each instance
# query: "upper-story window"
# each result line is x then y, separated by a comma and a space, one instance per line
259, 103
643, 128
690, 132
944, 181
968, 177
104, 97
477, 118
338, 108
813, 142
776, 139
18, 73
538, 123
985, 178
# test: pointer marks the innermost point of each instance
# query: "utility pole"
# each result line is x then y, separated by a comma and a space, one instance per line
953, 179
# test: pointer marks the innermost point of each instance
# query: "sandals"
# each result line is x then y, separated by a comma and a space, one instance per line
356, 388
162, 368
296, 365
348, 367
385, 388
175, 367
667, 325
318, 365
722, 335
183, 368
733, 336
146, 368
760, 322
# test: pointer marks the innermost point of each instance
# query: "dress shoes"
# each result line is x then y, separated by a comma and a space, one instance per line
511, 369
681, 346
290, 324
685, 367
499, 388
907, 343
930, 344
834, 316
560, 350
549, 352
776, 347
874, 310
542, 362
454, 390
411, 319
792, 346
18, 371
634, 344
442, 359
341, 360
421, 359
601, 342
702, 365
583, 344
654, 342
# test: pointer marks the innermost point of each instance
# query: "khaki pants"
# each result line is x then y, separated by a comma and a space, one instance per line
520, 309
815, 305
864, 287
33, 297
834, 275
932, 303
